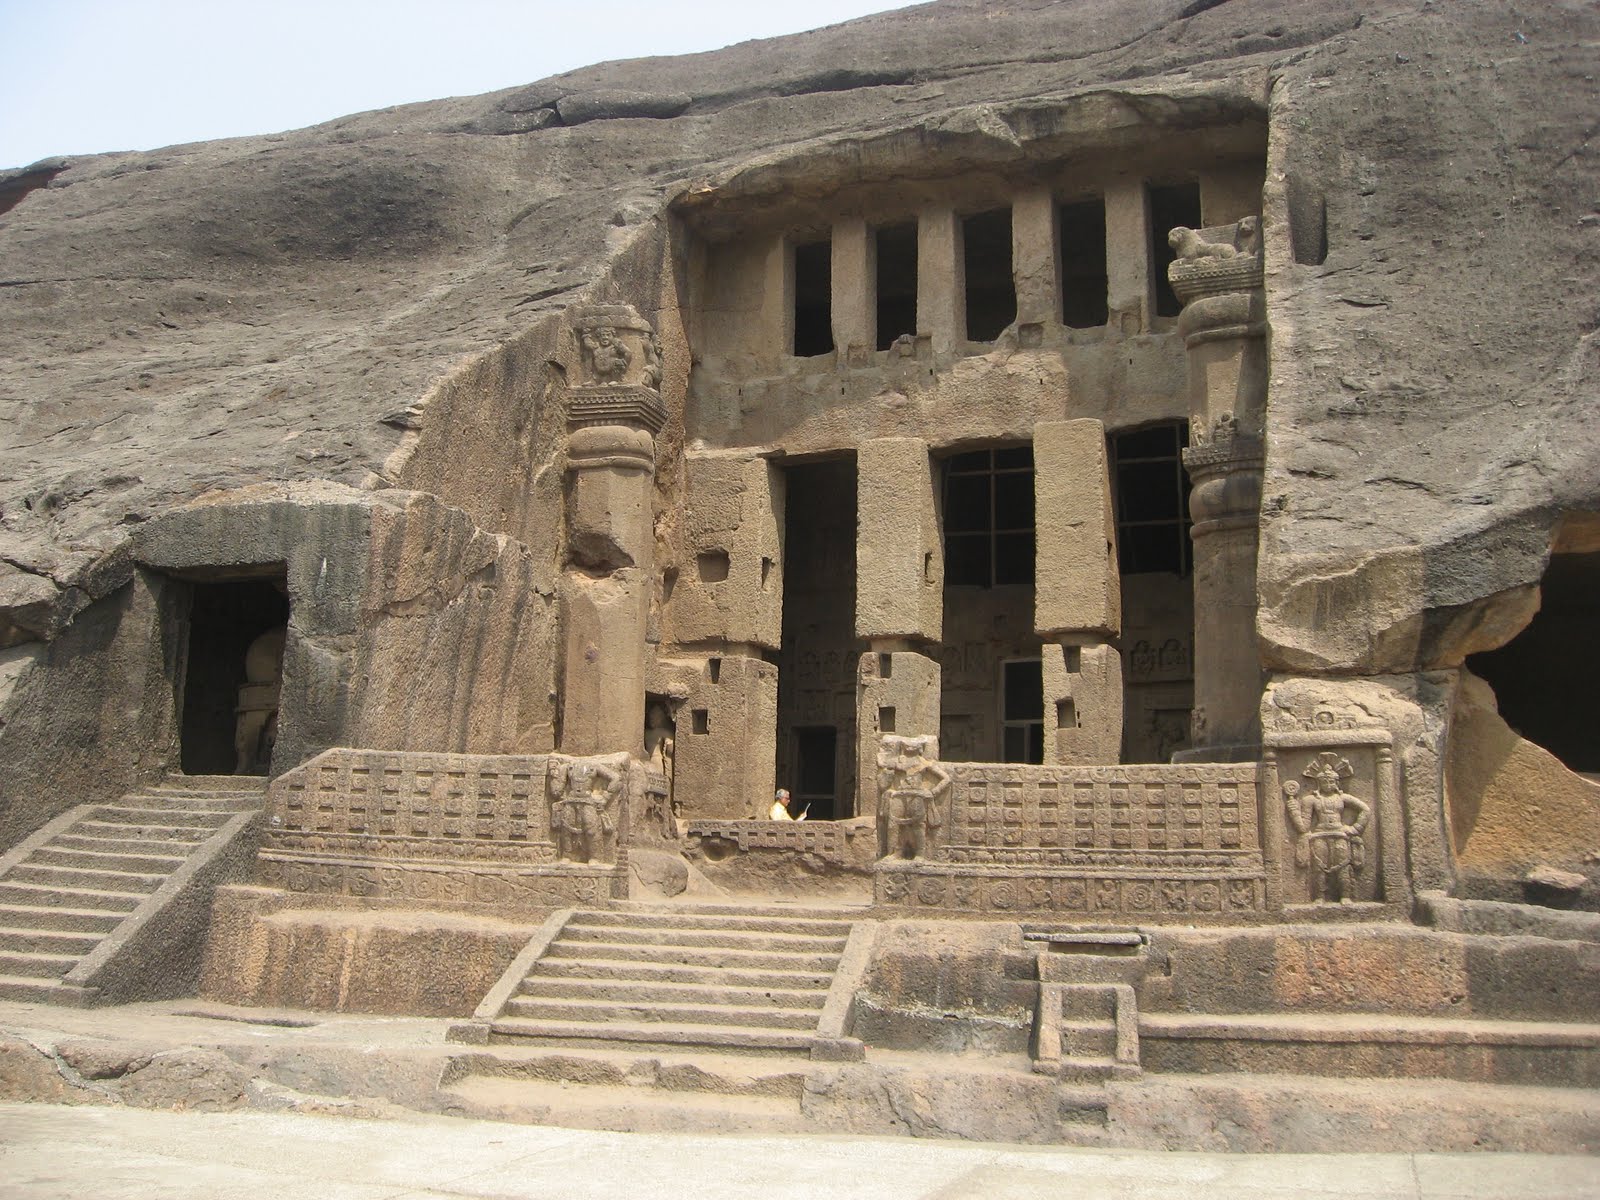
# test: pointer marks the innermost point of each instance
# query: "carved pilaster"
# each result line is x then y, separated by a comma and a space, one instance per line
1218, 276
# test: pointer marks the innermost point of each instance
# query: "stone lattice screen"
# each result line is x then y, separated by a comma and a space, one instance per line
826, 839
427, 805
1010, 815
453, 829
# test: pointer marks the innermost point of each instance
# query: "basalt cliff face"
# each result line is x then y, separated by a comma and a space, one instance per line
285, 308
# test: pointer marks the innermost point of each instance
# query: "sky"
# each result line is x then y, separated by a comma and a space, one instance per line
85, 76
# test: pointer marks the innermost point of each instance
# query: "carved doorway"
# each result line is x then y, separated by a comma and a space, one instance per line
231, 675
817, 661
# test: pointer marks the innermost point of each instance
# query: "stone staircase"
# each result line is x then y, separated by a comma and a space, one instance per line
751, 979
81, 889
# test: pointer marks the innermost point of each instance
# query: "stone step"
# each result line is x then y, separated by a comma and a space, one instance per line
632, 993
1088, 1039
181, 837
696, 956
688, 1069
63, 878
112, 844
36, 965
1374, 1045
576, 931
47, 941
193, 801
59, 919
651, 972
715, 921
15, 892
106, 860
185, 819
845, 913
599, 1015
742, 1039
621, 1108
29, 989
1089, 1003
214, 783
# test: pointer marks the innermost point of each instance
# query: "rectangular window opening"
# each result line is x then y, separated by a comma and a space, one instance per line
896, 282
1170, 206
991, 292
886, 719
813, 299
1084, 281
1150, 494
700, 720
1022, 711
988, 518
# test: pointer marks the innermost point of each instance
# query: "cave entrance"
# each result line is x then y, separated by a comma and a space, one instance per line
819, 651
232, 675
1544, 678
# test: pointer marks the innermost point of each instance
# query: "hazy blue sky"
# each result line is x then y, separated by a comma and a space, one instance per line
82, 76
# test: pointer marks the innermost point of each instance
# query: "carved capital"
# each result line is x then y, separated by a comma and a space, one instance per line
616, 346
1216, 260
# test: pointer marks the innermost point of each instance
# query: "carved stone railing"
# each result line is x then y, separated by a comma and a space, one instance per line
1152, 841
825, 839
455, 829
1026, 815
1314, 830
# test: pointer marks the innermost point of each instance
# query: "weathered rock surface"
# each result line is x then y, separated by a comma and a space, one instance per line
285, 307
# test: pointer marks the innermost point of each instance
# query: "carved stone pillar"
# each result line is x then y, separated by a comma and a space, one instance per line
1218, 277
614, 410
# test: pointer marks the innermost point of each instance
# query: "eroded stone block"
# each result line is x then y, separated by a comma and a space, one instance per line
1083, 702
899, 557
1077, 584
729, 587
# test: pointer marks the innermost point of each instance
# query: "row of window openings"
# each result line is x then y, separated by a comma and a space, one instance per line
989, 538
990, 293
988, 511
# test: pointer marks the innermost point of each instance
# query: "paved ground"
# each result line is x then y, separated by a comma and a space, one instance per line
49, 1152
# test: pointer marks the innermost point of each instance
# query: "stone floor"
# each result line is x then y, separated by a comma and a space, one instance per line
49, 1151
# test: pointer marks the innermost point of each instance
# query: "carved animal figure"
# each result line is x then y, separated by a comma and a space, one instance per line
1190, 246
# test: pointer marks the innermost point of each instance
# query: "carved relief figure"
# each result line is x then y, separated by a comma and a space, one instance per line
910, 786
652, 361
1331, 824
582, 814
608, 357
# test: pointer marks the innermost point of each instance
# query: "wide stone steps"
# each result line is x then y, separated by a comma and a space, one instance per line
91, 878
106, 860
720, 922
46, 941
751, 980
636, 992
654, 1034
540, 1008
597, 969
35, 964
728, 939
696, 956
37, 895
63, 897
